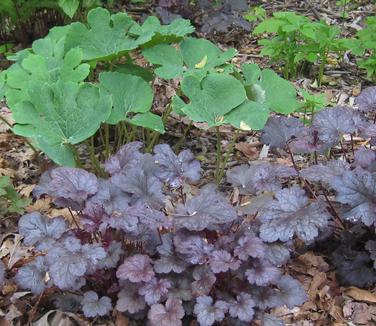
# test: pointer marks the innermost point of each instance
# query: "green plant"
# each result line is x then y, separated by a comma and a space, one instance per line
311, 104
10, 200
297, 39
286, 44
255, 13
54, 97
365, 42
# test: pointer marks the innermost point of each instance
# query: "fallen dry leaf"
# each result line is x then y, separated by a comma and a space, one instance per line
360, 295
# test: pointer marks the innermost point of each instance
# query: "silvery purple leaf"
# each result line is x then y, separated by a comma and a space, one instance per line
92, 254
371, 247
113, 253
66, 269
208, 313
181, 287
357, 189
129, 300
127, 157
242, 307
168, 264
193, 248
144, 187
310, 141
38, 229
92, 306
109, 196
169, 314
68, 301
33, 276
291, 214
249, 246
368, 130
222, 261
270, 320
166, 248
204, 280
277, 254
365, 158
208, 210
70, 187
262, 273
136, 268
279, 130
291, 292
366, 101
154, 290
175, 169
259, 176
332, 123
265, 297
325, 173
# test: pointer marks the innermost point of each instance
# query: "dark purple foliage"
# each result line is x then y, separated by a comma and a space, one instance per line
93, 306
169, 314
290, 292
371, 247
70, 187
242, 307
366, 101
208, 210
154, 290
278, 131
129, 300
136, 269
260, 176
262, 273
175, 169
208, 313
365, 158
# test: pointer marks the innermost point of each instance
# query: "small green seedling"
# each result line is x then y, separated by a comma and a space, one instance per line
10, 200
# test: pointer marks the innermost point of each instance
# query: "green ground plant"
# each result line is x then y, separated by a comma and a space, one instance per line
296, 40
10, 200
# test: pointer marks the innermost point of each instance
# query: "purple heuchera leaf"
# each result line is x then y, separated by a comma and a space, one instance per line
249, 246
154, 290
207, 313
70, 187
136, 268
365, 158
127, 157
262, 273
331, 123
357, 189
204, 279
291, 292
291, 214
92, 306
325, 173
113, 253
169, 314
260, 176
208, 210
265, 297
371, 247
310, 141
221, 261
175, 169
193, 248
38, 229
242, 307
33, 276
129, 300
69, 261
279, 130
142, 184
277, 254
366, 101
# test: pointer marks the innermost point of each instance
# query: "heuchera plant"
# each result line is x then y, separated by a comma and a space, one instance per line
140, 243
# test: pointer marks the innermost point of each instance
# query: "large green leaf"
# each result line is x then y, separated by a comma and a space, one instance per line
267, 88
2, 85
194, 56
61, 114
106, 35
151, 32
69, 6
130, 94
248, 116
47, 63
148, 120
211, 98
